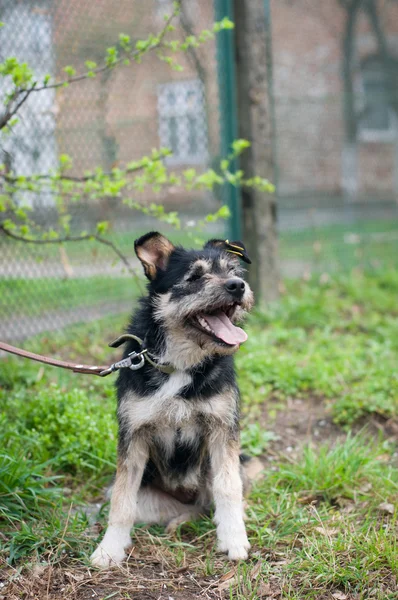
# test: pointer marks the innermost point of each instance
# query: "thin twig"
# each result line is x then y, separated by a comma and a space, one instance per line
107, 67
71, 238
61, 177
10, 113
88, 74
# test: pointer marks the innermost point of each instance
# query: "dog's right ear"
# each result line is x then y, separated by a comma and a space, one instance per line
237, 248
153, 250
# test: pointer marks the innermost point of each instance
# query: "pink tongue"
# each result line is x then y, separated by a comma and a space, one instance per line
225, 330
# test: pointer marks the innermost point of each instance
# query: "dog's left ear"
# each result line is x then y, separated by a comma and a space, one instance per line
237, 248
153, 250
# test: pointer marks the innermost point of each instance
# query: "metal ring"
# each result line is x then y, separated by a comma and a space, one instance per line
139, 365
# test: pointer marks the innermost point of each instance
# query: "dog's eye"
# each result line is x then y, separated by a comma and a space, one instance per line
197, 274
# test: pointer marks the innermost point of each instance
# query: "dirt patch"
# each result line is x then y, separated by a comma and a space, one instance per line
296, 423
300, 421
144, 578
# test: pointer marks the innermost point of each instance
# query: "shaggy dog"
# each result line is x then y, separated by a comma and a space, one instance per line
178, 414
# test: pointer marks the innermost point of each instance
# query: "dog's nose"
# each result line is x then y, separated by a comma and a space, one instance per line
236, 287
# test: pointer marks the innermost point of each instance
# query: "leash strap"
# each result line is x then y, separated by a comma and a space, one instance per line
91, 370
134, 361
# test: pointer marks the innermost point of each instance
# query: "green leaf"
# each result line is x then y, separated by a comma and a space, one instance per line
224, 212
111, 56
124, 41
3, 203
102, 227
224, 164
21, 214
65, 162
90, 64
24, 230
225, 23
189, 175
238, 146
9, 225
69, 70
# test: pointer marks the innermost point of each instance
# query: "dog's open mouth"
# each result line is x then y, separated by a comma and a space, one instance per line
219, 326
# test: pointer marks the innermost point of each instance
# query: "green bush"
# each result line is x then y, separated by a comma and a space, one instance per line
73, 429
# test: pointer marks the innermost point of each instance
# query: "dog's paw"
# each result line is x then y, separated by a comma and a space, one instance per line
106, 556
236, 545
236, 552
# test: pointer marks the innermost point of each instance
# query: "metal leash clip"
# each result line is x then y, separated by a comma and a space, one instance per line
127, 363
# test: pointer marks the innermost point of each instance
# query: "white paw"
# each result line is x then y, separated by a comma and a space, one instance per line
236, 552
236, 545
111, 552
106, 557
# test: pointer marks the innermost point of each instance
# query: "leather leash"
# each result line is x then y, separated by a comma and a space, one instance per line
134, 361
94, 370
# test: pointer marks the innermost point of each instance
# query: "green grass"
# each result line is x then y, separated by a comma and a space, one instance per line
318, 250
342, 470
336, 248
337, 339
37, 296
314, 520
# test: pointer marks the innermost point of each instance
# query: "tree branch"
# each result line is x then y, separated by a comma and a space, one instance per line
352, 9
83, 179
71, 238
10, 113
186, 24
25, 92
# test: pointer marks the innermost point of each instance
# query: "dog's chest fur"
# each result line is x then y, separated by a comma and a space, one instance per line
178, 413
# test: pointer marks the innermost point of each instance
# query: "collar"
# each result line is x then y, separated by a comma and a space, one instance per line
143, 355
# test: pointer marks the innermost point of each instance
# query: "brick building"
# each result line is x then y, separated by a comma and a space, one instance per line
123, 114
313, 151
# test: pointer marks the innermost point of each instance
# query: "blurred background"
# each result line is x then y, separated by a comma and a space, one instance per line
331, 80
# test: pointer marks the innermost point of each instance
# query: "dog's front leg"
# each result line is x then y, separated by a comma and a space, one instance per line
111, 550
228, 496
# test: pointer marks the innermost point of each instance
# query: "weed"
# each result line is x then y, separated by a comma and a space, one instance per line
314, 521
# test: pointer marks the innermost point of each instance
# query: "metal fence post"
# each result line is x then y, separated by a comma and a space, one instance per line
228, 110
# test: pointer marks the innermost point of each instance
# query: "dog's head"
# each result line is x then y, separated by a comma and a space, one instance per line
198, 295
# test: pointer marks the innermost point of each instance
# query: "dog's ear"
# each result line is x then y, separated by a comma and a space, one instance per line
237, 248
153, 250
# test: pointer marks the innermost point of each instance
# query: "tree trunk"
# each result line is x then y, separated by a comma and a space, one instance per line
350, 151
256, 123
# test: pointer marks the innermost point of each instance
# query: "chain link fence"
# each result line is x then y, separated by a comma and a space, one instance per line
337, 200
336, 92
106, 122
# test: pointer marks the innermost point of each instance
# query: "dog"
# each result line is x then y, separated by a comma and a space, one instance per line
178, 415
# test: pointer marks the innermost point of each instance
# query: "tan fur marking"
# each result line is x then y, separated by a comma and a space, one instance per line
228, 496
154, 254
123, 506
221, 408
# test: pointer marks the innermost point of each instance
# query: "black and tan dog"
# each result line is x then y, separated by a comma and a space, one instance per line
179, 414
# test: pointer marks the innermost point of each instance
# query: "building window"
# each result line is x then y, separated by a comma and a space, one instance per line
182, 121
378, 120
